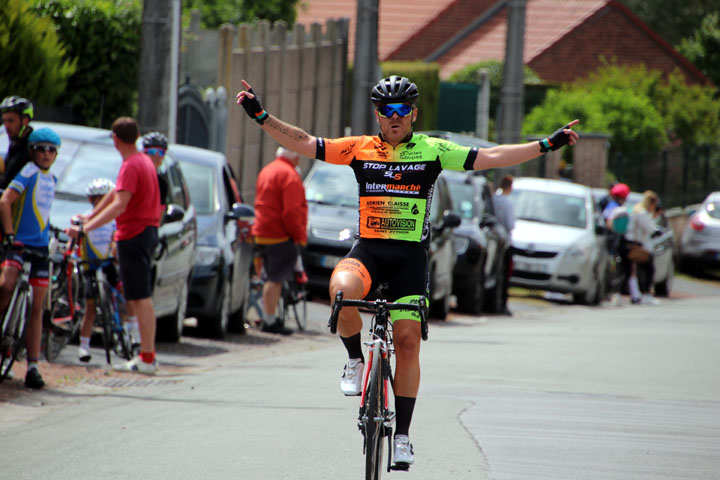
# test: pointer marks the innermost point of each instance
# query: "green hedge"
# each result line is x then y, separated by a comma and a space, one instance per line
427, 78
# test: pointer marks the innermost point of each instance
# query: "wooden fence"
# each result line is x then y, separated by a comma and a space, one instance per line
300, 78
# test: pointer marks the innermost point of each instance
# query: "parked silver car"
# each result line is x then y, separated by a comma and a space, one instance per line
559, 239
700, 240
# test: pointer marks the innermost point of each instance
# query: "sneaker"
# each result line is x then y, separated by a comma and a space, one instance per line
84, 354
136, 365
277, 327
351, 381
33, 379
403, 450
648, 299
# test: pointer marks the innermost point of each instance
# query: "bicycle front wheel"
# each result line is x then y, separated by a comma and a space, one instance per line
374, 426
13, 335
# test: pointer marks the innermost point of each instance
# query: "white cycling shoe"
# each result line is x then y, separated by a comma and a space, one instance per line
403, 450
351, 381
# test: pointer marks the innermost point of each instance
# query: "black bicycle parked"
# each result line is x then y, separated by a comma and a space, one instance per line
375, 419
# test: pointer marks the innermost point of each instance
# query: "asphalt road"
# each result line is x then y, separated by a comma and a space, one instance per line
554, 392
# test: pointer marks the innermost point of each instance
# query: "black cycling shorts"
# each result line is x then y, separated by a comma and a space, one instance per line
402, 265
135, 259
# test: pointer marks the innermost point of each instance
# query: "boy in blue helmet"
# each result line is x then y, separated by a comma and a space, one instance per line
24, 215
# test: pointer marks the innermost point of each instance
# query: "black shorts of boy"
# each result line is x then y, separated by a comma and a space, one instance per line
135, 259
111, 275
39, 268
279, 260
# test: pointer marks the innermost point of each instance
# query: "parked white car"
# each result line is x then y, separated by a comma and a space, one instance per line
700, 241
558, 240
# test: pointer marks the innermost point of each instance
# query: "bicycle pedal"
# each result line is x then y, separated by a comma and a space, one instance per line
404, 467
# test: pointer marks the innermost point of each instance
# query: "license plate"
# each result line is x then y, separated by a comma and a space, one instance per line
329, 261
531, 267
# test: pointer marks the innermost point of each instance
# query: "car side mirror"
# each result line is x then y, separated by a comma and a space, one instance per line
451, 220
173, 213
487, 221
242, 212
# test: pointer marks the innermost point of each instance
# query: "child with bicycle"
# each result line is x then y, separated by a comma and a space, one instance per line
24, 214
96, 246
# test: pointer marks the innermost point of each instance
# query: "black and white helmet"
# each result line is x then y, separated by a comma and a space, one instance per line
155, 139
394, 89
17, 104
98, 187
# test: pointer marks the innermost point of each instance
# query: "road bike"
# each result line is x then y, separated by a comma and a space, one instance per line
65, 307
110, 310
18, 312
375, 419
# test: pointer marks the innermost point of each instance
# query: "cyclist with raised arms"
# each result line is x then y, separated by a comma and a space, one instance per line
396, 172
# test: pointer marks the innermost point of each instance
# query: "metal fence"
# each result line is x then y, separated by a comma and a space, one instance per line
682, 176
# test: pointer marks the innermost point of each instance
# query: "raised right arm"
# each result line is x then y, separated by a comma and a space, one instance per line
289, 136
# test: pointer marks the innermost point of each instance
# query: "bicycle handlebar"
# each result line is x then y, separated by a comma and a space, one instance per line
375, 306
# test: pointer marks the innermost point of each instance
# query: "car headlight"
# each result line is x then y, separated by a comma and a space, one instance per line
581, 250
461, 244
207, 256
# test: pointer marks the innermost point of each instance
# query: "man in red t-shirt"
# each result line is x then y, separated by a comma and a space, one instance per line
133, 205
280, 228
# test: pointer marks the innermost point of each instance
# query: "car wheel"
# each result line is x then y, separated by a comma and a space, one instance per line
470, 298
591, 295
495, 301
440, 308
217, 325
238, 318
172, 325
662, 289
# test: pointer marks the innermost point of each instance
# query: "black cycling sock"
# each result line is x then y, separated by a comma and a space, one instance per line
353, 345
404, 407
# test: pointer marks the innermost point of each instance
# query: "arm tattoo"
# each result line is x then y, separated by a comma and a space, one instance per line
295, 133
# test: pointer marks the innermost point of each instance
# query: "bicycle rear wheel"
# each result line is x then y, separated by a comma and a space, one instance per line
121, 337
61, 322
13, 335
374, 425
297, 299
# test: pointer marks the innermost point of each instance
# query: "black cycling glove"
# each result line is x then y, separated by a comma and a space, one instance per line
254, 109
9, 238
555, 141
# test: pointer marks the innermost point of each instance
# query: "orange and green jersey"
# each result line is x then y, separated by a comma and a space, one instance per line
395, 183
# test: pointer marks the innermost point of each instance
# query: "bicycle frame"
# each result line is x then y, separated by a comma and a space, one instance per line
375, 424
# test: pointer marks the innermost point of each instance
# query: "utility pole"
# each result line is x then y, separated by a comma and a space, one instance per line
159, 56
365, 68
483, 105
511, 96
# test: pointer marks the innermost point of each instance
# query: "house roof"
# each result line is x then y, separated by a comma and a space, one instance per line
457, 33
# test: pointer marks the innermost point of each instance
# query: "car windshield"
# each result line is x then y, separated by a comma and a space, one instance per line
463, 196
200, 180
91, 161
332, 185
547, 207
713, 209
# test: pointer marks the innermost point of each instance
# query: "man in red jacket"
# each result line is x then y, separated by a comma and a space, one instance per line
280, 228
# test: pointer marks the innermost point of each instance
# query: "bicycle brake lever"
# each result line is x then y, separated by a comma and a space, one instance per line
337, 305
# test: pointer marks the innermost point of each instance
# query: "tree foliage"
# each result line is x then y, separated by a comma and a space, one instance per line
32, 59
104, 38
703, 48
641, 110
216, 12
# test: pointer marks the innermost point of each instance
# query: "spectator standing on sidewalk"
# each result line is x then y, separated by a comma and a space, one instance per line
280, 229
134, 206
24, 213
17, 113
640, 230
155, 145
505, 213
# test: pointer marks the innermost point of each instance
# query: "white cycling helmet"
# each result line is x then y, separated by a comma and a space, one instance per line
98, 187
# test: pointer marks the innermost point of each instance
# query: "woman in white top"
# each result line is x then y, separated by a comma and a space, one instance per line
640, 230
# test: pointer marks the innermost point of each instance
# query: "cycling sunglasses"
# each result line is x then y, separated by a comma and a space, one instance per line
44, 148
155, 151
387, 110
